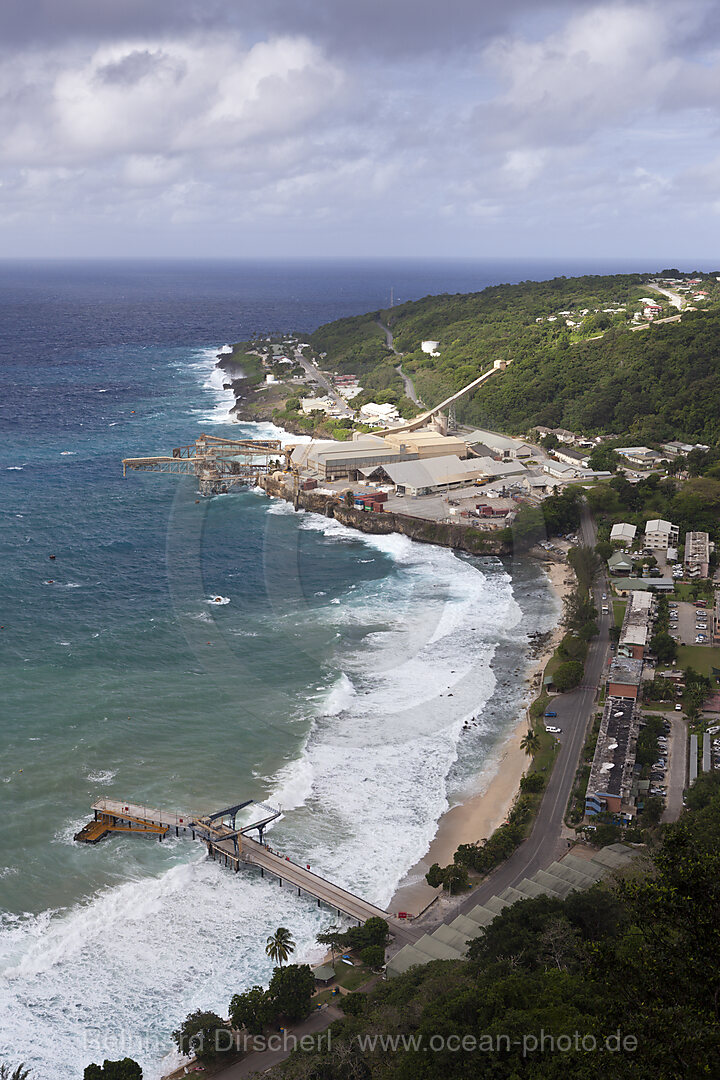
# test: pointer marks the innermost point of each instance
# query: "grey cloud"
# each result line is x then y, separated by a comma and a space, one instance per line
133, 67
379, 27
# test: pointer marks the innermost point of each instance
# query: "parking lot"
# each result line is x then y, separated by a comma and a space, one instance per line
687, 622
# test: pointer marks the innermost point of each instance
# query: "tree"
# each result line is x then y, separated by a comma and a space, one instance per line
604, 549
664, 647
17, 1072
373, 956
530, 742
604, 459
532, 782
352, 1004
280, 946
252, 1010
124, 1069
455, 879
568, 675
204, 1034
435, 876
376, 931
291, 989
605, 833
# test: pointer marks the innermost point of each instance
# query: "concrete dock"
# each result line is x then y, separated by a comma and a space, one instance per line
229, 845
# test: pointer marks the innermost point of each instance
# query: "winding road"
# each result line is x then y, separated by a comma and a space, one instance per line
408, 384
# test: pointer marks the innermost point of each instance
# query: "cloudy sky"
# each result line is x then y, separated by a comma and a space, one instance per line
360, 127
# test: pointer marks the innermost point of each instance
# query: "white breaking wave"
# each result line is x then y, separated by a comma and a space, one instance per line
101, 776
220, 601
114, 976
213, 379
416, 660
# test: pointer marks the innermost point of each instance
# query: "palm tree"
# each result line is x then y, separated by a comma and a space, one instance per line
280, 945
530, 743
18, 1073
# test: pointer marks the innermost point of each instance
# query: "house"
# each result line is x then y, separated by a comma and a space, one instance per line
642, 456
660, 534
619, 563
560, 471
624, 532
624, 586
572, 457
373, 413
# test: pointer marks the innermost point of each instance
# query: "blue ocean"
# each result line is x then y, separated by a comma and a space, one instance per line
333, 681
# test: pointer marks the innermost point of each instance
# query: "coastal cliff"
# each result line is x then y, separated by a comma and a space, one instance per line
457, 536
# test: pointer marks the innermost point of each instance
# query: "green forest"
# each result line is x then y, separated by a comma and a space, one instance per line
598, 377
622, 981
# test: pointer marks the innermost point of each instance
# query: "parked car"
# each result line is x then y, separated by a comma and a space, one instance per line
549, 712
678, 707
553, 730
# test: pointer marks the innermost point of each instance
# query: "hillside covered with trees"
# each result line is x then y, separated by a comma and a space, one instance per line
622, 980
596, 376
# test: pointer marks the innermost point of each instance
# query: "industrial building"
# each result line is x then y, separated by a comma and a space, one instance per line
610, 785
427, 443
433, 474
330, 460
500, 445
571, 873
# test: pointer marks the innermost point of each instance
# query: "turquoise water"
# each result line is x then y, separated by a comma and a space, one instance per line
334, 682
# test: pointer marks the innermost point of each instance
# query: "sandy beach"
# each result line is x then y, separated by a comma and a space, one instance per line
479, 815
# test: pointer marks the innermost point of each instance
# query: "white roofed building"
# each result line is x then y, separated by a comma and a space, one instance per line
623, 531
660, 534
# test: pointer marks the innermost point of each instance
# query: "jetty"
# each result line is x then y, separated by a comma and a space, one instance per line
229, 844
218, 464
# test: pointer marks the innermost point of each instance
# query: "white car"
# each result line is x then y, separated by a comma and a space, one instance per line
554, 730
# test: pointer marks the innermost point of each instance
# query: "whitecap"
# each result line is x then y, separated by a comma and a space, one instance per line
219, 600
101, 776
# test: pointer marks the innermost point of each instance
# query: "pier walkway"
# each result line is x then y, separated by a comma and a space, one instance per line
231, 846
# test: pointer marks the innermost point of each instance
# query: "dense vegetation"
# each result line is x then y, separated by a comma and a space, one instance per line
694, 506
622, 980
660, 383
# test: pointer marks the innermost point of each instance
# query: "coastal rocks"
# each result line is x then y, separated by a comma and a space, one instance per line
459, 537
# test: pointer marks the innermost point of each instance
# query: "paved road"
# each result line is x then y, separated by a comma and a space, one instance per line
256, 1063
675, 298
317, 376
575, 711
408, 384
